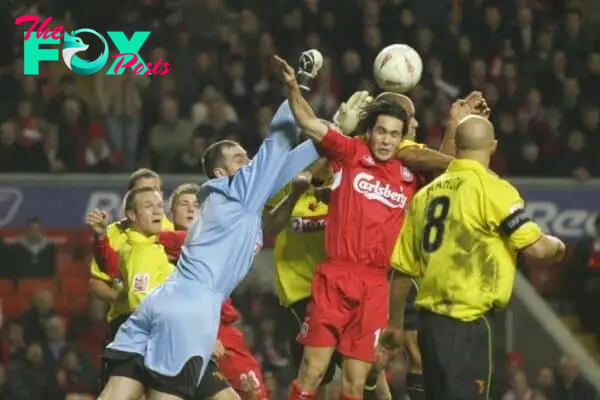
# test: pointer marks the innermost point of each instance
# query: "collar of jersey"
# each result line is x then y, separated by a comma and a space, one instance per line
463, 164
136, 237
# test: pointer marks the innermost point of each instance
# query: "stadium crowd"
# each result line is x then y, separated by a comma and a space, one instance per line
539, 70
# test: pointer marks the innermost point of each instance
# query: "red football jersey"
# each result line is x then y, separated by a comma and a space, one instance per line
368, 202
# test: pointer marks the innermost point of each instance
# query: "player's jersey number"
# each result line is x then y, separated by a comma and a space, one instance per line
435, 217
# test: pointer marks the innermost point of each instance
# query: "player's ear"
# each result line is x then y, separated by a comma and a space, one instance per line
130, 214
494, 147
219, 172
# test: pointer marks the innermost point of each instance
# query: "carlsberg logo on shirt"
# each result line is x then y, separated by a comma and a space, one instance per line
373, 189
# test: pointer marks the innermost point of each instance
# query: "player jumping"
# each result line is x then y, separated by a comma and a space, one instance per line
169, 338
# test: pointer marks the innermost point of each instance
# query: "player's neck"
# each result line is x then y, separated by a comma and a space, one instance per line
478, 156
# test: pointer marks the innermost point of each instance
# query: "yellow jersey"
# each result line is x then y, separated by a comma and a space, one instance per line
116, 238
144, 265
299, 247
461, 237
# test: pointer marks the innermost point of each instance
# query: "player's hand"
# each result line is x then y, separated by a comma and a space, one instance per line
323, 194
391, 340
301, 183
561, 249
288, 75
218, 350
348, 115
97, 220
474, 103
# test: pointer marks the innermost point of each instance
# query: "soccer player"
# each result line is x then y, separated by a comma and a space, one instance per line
231, 204
107, 288
460, 239
370, 192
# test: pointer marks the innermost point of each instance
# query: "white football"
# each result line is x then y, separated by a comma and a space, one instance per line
397, 68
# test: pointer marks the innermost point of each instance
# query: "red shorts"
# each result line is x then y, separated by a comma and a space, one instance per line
349, 309
239, 365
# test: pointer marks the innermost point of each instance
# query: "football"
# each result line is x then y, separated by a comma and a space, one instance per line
397, 68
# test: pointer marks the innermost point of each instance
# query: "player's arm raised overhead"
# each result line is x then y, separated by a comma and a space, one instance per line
254, 183
508, 216
106, 258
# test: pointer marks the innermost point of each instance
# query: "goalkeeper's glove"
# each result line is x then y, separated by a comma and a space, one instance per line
348, 115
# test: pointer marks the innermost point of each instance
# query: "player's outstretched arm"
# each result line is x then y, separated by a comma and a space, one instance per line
311, 126
275, 219
423, 159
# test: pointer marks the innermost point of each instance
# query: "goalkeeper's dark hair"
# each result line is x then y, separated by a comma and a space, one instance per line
142, 173
372, 111
213, 156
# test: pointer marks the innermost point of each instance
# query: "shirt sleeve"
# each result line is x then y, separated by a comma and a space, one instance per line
172, 241
506, 212
337, 146
404, 258
407, 144
254, 183
107, 259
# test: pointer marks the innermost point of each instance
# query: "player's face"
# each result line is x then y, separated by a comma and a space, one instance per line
235, 157
184, 210
385, 137
148, 213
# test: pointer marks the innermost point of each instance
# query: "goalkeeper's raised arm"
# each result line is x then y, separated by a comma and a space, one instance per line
306, 119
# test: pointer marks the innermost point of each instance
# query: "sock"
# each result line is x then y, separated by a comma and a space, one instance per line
296, 393
344, 397
415, 385
371, 385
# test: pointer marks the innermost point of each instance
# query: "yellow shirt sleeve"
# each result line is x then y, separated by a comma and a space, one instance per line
273, 201
166, 224
506, 212
404, 258
407, 144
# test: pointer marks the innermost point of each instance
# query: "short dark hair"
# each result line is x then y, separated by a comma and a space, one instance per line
372, 111
142, 173
213, 156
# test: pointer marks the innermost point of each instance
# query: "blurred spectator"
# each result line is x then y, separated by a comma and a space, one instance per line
120, 100
88, 329
572, 385
98, 155
12, 152
56, 339
67, 90
49, 155
189, 161
30, 378
212, 109
13, 343
33, 255
520, 389
74, 373
546, 383
34, 319
170, 136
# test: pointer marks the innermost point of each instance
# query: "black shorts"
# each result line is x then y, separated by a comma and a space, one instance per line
212, 383
411, 316
131, 365
456, 355
111, 332
294, 316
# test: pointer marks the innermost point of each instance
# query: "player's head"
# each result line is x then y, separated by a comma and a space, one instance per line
384, 124
224, 158
408, 106
184, 205
144, 177
475, 139
144, 209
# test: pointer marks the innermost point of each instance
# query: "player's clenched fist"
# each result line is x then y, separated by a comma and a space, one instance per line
301, 182
348, 115
474, 103
97, 220
392, 339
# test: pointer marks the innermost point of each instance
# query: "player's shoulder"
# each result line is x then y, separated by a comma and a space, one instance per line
497, 184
